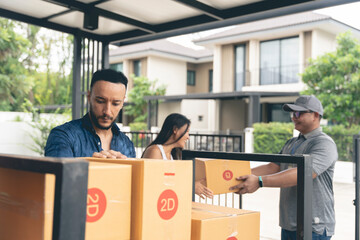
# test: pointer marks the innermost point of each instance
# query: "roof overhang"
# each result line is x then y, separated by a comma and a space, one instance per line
127, 22
221, 96
329, 25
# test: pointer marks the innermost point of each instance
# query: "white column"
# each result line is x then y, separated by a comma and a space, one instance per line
214, 105
254, 62
301, 52
249, 140
217, 69
214, 115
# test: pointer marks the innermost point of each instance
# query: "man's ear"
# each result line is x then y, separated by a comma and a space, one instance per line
317, 115
88, 96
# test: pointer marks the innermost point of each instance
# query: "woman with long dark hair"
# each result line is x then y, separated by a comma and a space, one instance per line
169, 142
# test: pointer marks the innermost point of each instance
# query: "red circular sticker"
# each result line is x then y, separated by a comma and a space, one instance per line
231, 238
228, 175
96, 204
167, 204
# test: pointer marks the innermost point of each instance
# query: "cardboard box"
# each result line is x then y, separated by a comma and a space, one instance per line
209, 222
27, 203
24, 204
161, 198
220, 174
108, 202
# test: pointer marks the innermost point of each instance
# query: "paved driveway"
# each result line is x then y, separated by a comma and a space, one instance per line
266, 201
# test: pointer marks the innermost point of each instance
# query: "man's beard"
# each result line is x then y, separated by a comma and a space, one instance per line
95, 121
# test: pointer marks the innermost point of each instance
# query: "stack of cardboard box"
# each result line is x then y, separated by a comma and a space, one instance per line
27, 203
136, 199
161, 198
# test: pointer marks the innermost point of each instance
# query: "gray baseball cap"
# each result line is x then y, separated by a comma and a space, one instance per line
305, 103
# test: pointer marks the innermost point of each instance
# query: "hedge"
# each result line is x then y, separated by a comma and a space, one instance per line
270, 137
344, 139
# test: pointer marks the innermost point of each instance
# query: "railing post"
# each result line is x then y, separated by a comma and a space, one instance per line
149, 115
70, 200
356, 159
304, 199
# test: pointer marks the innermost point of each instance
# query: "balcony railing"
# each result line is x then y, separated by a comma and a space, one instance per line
279, 75
196, 142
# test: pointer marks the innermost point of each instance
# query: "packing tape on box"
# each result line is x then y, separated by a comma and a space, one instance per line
169, 173
232, 227
25, 207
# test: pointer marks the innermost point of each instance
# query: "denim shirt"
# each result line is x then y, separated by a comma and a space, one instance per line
78, 138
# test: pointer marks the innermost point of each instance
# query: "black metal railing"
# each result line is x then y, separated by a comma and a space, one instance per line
356, 159
304, 180
71, 183
202, 142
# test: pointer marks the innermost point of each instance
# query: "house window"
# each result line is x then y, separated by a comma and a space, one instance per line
239, 67
117, 67
191, 78
279, 61
210, 80
137, 68
276, 114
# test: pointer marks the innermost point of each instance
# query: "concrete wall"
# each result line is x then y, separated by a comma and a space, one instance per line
170, 72
233, 114
167, 108
202, 77
197, 112
228, 68
15, 138
322, 42
16, 132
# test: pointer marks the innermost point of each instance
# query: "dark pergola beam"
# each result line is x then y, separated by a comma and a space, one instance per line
133, 34
206, 9
44, 23
263, 5
89, 8
71, 10
232, 16
175, 28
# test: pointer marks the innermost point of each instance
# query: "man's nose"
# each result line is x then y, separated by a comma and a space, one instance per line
107, 109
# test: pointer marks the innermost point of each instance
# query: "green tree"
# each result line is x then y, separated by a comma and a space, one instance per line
28, 55
14, 82
138, 105
52, 86
335, 79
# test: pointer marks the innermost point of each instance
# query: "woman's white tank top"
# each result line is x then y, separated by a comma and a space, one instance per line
163, 152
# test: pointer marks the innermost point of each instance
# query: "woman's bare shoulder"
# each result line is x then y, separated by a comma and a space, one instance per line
152, 152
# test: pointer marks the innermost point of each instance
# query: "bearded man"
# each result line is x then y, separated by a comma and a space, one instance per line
96, 134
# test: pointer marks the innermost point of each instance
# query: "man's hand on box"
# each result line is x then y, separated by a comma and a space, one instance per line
201, 190
248, 184
109, 154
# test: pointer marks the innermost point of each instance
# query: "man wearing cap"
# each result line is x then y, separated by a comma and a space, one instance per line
306, 113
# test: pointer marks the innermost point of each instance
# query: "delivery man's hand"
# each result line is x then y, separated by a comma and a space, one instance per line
248, 184
201, 190
109, 154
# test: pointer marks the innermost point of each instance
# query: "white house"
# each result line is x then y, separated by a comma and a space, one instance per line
243, 75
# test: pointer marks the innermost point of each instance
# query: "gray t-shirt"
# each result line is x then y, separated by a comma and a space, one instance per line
323, 152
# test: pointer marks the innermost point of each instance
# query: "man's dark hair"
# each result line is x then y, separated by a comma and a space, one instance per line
109, 75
